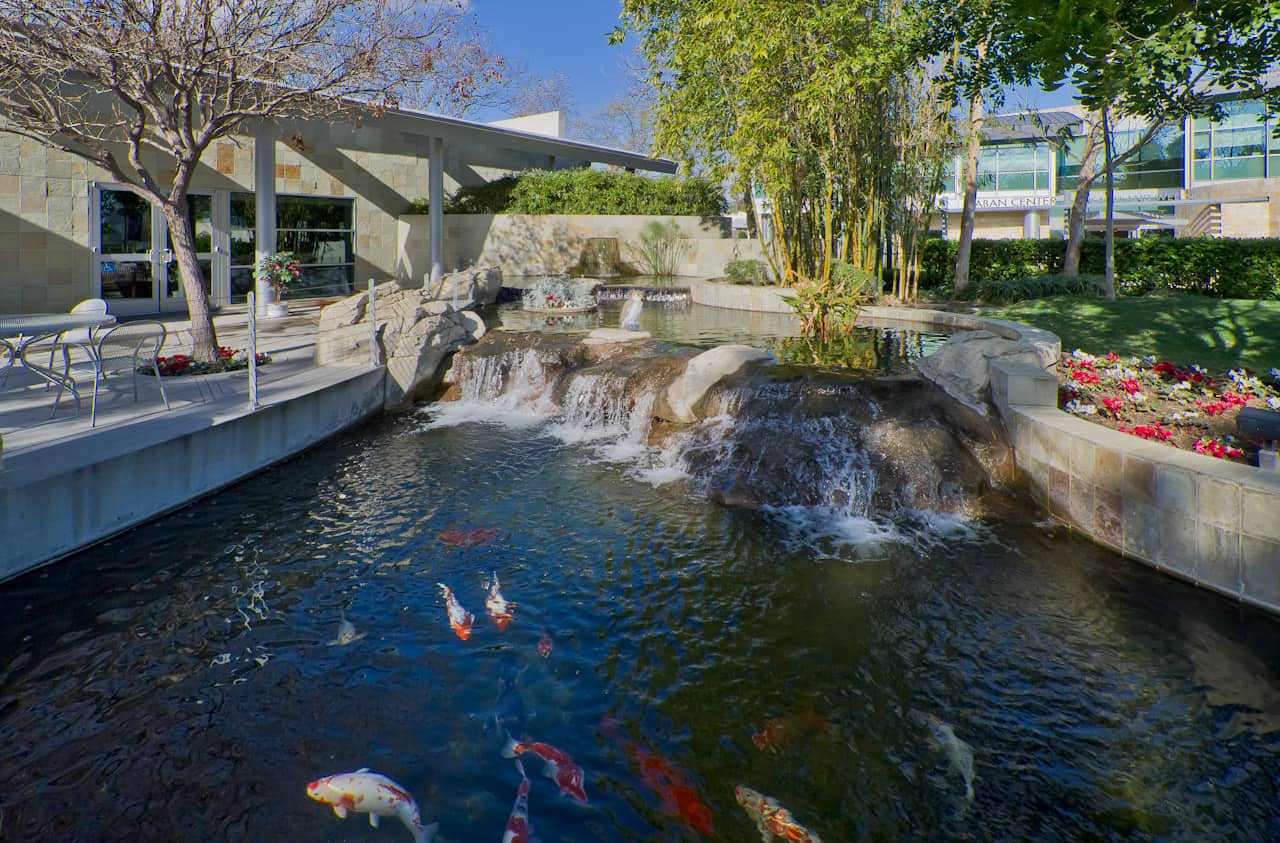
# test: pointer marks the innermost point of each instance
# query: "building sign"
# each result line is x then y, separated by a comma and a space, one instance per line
954, 203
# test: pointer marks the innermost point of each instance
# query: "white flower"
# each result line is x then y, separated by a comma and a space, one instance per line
1082, 355
1273, 403
1180, 386
1079, 409
1275, 374
1200, 369
1137, 398
1149, 359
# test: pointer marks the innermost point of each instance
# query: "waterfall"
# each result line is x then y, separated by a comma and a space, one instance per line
838, 460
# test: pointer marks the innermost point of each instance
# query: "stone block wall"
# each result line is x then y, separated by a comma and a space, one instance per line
522, 245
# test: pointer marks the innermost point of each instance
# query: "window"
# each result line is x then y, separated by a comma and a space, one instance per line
1158, 164
1010, 167
1234, 147
319, 230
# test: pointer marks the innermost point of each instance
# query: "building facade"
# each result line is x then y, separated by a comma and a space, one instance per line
334, 193
1196, 177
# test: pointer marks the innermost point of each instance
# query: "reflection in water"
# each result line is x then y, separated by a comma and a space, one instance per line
1091, 716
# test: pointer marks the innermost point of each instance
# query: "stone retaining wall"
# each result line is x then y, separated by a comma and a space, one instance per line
1211, 522
741, 296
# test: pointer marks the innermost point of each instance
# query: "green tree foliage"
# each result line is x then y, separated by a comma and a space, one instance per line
588, 192
806, 100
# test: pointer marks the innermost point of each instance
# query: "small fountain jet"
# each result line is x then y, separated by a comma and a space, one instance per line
631, 311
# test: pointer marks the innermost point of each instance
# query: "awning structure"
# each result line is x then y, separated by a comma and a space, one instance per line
439, 132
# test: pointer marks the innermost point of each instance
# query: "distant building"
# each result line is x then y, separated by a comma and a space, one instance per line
1196, 177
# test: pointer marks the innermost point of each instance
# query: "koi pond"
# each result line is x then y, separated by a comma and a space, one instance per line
883, 671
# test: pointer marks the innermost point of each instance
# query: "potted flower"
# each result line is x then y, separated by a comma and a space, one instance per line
280, 272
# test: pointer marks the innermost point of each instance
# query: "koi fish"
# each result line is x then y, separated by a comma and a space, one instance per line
510, 716
959, 753
498, 607
467, 538
363, 792
772, 820
518, 828
782, 731
679, 798
558, 766
346, 633
544, 644
459, 618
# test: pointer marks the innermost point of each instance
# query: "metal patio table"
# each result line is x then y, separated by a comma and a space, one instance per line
19, 333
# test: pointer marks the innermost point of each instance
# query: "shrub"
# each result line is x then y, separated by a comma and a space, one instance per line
854, 282
1219, 267
661, 248
1036, 287
747, 272
587, 192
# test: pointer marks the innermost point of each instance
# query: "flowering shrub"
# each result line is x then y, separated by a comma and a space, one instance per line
1182, 406
559, 293
229, 360
281, 271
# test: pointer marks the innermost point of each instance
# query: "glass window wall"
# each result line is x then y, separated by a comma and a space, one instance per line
1157, 165
1234, 147
1009, 167
319, 230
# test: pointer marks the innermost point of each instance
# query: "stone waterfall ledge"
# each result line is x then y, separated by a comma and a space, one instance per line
1213, 523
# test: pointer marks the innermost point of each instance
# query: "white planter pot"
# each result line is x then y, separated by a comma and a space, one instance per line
277, 310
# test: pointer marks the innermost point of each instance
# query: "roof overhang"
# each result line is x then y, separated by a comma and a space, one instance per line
457, 131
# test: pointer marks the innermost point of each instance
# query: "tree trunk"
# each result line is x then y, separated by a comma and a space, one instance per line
753, 229
1109, 284
177, 216
970, 191
1080, 202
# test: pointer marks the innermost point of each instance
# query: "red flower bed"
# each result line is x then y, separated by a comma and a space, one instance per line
229, 360
1159, 401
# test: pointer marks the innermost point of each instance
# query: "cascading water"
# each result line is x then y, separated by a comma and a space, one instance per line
837, 459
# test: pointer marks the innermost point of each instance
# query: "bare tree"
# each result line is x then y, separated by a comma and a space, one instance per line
116, 81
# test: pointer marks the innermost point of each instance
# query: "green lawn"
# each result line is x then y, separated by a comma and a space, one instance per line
1218, 334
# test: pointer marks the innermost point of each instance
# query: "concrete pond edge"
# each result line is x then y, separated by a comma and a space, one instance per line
1204, 520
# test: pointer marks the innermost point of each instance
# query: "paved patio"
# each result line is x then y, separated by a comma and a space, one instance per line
26, 402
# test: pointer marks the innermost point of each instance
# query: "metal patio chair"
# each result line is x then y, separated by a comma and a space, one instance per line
81, 338
128, 347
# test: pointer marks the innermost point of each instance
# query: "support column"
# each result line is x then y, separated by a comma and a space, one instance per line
435, 198
264, 188
1031, 225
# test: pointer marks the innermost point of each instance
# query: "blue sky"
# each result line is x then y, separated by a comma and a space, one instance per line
567, 35
571, 36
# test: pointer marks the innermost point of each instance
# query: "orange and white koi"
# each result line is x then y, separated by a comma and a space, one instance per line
363, 792
558, 766
498, 607
544, 644
459, 618
518, 828
772, 820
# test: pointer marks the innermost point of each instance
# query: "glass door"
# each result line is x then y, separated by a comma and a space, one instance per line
127, 261
134, 264
201, 207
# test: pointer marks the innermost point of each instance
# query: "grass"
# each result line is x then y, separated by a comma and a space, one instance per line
1219, 334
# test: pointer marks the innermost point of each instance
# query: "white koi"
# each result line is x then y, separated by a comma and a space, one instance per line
363, 792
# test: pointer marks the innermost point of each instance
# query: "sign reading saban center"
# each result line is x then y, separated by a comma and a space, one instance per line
954, 202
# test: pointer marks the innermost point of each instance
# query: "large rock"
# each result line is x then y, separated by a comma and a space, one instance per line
610, 336
703, 372
480, 284
962, 366
414, 336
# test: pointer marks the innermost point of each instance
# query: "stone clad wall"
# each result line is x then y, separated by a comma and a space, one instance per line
522, 245
1214, 523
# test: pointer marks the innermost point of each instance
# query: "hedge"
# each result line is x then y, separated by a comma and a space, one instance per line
589, 192
1218, 266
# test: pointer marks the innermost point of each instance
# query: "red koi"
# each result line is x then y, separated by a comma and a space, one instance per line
782, 731
679, 797
459, 618
544, 644
499, 608
467, 538
518, 829
557, 766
